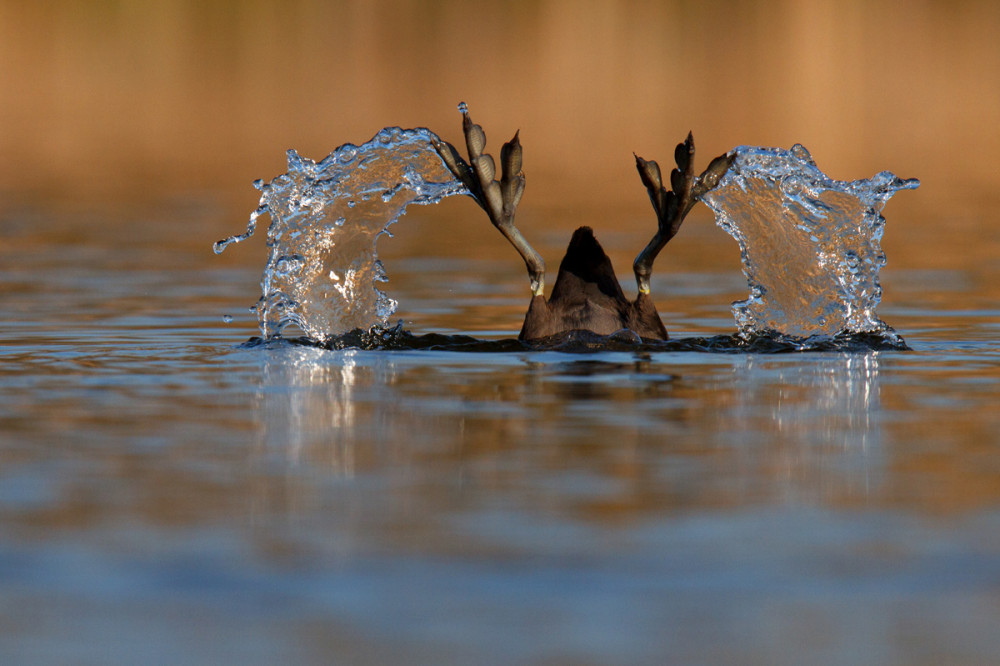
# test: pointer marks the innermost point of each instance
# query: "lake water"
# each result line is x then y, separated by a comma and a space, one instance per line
168, 496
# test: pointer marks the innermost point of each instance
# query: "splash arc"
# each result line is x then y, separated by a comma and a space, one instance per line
810, 246
323, 272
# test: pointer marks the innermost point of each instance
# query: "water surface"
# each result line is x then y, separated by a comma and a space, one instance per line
168, 496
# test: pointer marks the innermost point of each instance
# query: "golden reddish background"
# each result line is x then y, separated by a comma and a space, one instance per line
194, 94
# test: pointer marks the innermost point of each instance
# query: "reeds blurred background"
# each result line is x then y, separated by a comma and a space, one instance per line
106, 99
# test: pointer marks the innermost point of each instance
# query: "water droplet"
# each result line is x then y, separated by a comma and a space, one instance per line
346, 155
463, 108
385, 306
227, 318
792, 186
801, 152
378, 273
340, 221
287, 265
352, 203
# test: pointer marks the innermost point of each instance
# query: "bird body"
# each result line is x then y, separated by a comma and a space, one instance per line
586, 295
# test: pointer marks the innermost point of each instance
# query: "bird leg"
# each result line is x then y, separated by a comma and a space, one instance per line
498, 198
672, 206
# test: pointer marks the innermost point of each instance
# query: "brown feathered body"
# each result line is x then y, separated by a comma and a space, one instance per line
587, 296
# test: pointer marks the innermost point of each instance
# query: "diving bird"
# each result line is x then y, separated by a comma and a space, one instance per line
586, 295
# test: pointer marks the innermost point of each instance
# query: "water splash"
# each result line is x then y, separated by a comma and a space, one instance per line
323, 270
810, 245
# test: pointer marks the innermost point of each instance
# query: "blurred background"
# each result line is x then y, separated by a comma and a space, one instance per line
105, 103
102, 96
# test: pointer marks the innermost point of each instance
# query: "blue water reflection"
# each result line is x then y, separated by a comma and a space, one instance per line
170, 496
766, 428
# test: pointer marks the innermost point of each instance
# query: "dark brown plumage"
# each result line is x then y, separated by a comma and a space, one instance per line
587, 294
